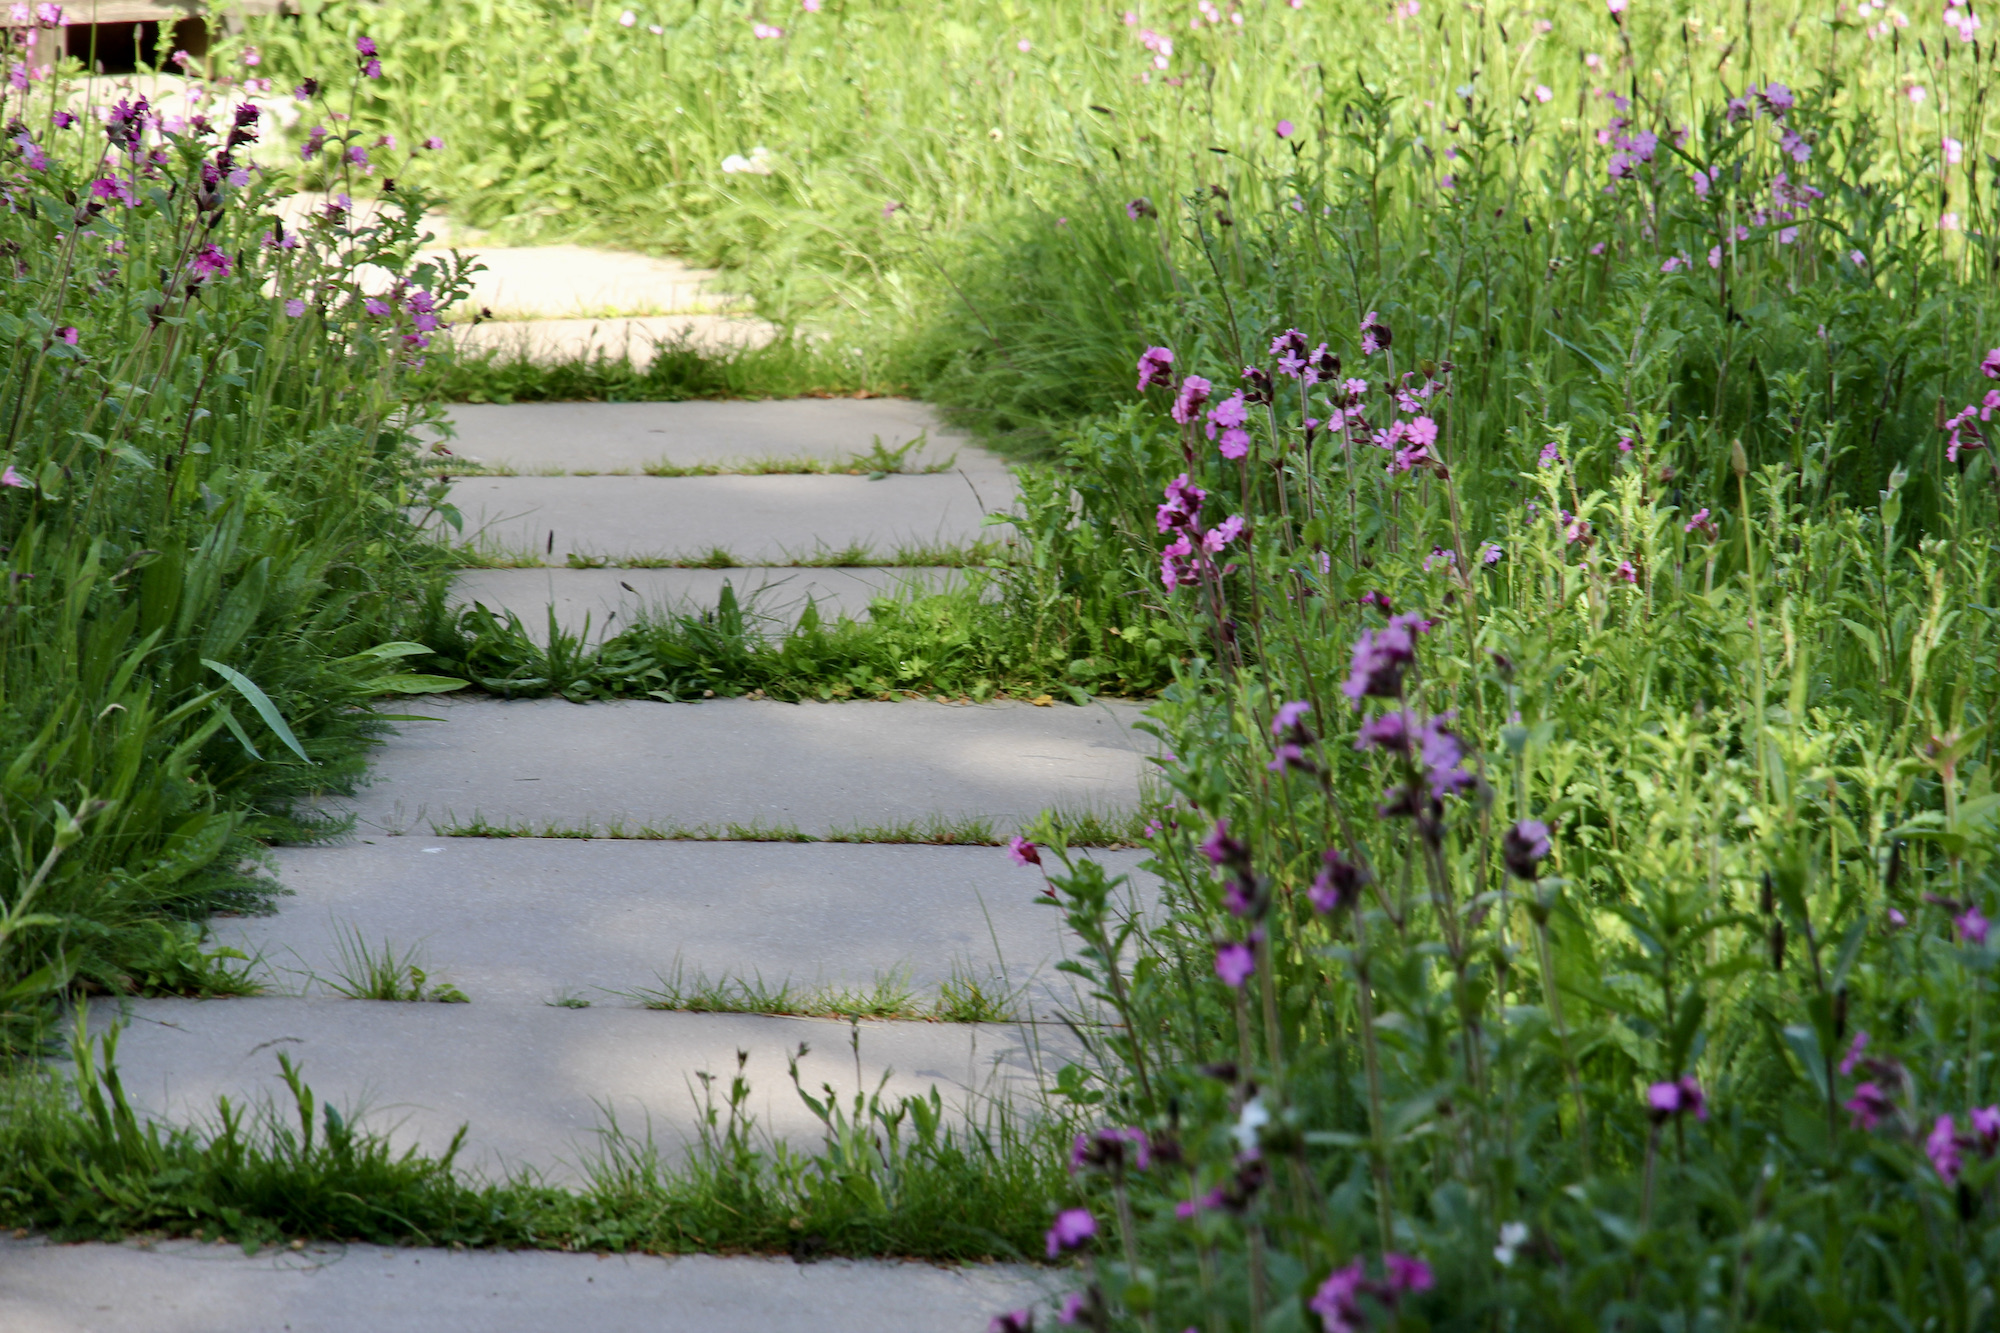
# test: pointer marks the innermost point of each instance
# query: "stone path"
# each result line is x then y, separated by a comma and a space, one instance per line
653, 889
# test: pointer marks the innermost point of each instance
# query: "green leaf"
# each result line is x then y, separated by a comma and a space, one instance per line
262, 703
418, 684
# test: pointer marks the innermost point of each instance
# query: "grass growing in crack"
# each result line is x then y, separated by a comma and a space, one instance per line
1087, 828
365, 972
854, 555
77, 1162
962, 998
880, 461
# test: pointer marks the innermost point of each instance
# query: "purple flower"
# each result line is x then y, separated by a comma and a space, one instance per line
1990, 367
1288, 716
1223, 850
1491, 553
1374, 334
1022, 852
1941, 1146
210, 262
1235, 963
67, 335
1194, 392
1187, 1209
1183, 504
435, 144
1175, 571
1290, 349
1111, 1148
1972, 926
376, 307
1155, 367
371, 68
1551, 455
1140, 209
1380, 657
1286, 129
365, 46
1868, 1105
1679, 1097
1014, 1321
1338, 1300
1406, 1274
10, 477
1524, 847
1338, 885
1853, 1056
1777, 98
1442, 755
1216, 538
1389, 731
1986, 1126
295, 307
1073, 1227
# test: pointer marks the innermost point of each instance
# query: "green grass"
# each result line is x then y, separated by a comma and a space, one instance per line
1078, 828
963, 998
880, 461
488, 555
909, 1178
361, 971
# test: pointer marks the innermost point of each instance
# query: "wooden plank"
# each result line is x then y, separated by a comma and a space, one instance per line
81, 13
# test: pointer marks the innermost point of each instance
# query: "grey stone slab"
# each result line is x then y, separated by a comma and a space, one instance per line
536, 438
580, 282
188, 1287
534, 1083
818, 767
774, 520
635, 340
606, 602
528, 919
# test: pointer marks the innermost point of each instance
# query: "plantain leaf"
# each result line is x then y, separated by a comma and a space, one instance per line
262, 703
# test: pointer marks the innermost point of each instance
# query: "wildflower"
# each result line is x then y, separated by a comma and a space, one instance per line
1853, 1056
1187, 1209
1406, 1273
210, 262
1230, 414
1250, 1122
67, 336
1440, 556
1628, 571
765, 32
1234, 963
1286, 129
1111, 1148
110, 187
1953, 150
1683, 1095
1218, 537
1524, 847
1990, 366
1615, 6
12, 478
1141, 208
1513, 1235
1175, 571
1338, 1300
1543, 93
1701, 523
1393, 732
1972, 926
1024, 46
1155, 367
1491, 553
1374, 334
1023, 852
1338, 885
1986, 1126
810, 6
1183, 504
1289, 718
1014, 1321
1193, 393
434, 144
31, 152
357, 155
1867, 1106
1941, 1146
1223, 850
295, 307
63, 120
1379, 659
1702, 183
1073, 1227
1551, 455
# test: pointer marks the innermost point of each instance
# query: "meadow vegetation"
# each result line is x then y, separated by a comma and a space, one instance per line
1555, 510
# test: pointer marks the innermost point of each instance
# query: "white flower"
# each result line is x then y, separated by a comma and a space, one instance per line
627, 19
757, 164
1253, 1118
1513, 1235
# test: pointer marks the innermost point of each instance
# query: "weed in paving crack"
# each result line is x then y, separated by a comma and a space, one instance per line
962, 998
365, 972
567, 999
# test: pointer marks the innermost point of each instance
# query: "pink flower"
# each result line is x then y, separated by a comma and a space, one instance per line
1867, 1106
1155, 367
1543, 94
1175, 570
1990, 367
67, 335
12, 478
1024, 46
1853, 1056
435, 144
1338, 1300
1615, 6
1972, 926
1022, 852
765, 32
1286, 129
1194, 392
1374, 334
210, 262
1223, 533
1941, 1146
1628, 571
1679, 1097
810, 6
295, 307
1073, 1227
1551, 455
1406, 1274
1235, 963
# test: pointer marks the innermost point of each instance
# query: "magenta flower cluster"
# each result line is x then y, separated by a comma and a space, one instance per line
1338, 1300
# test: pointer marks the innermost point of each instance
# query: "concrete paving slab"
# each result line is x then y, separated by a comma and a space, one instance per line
189, 1287
606, 602
533, 1082
758, 520
635, 340
538, 438
529, 919
815, 766
579, 282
